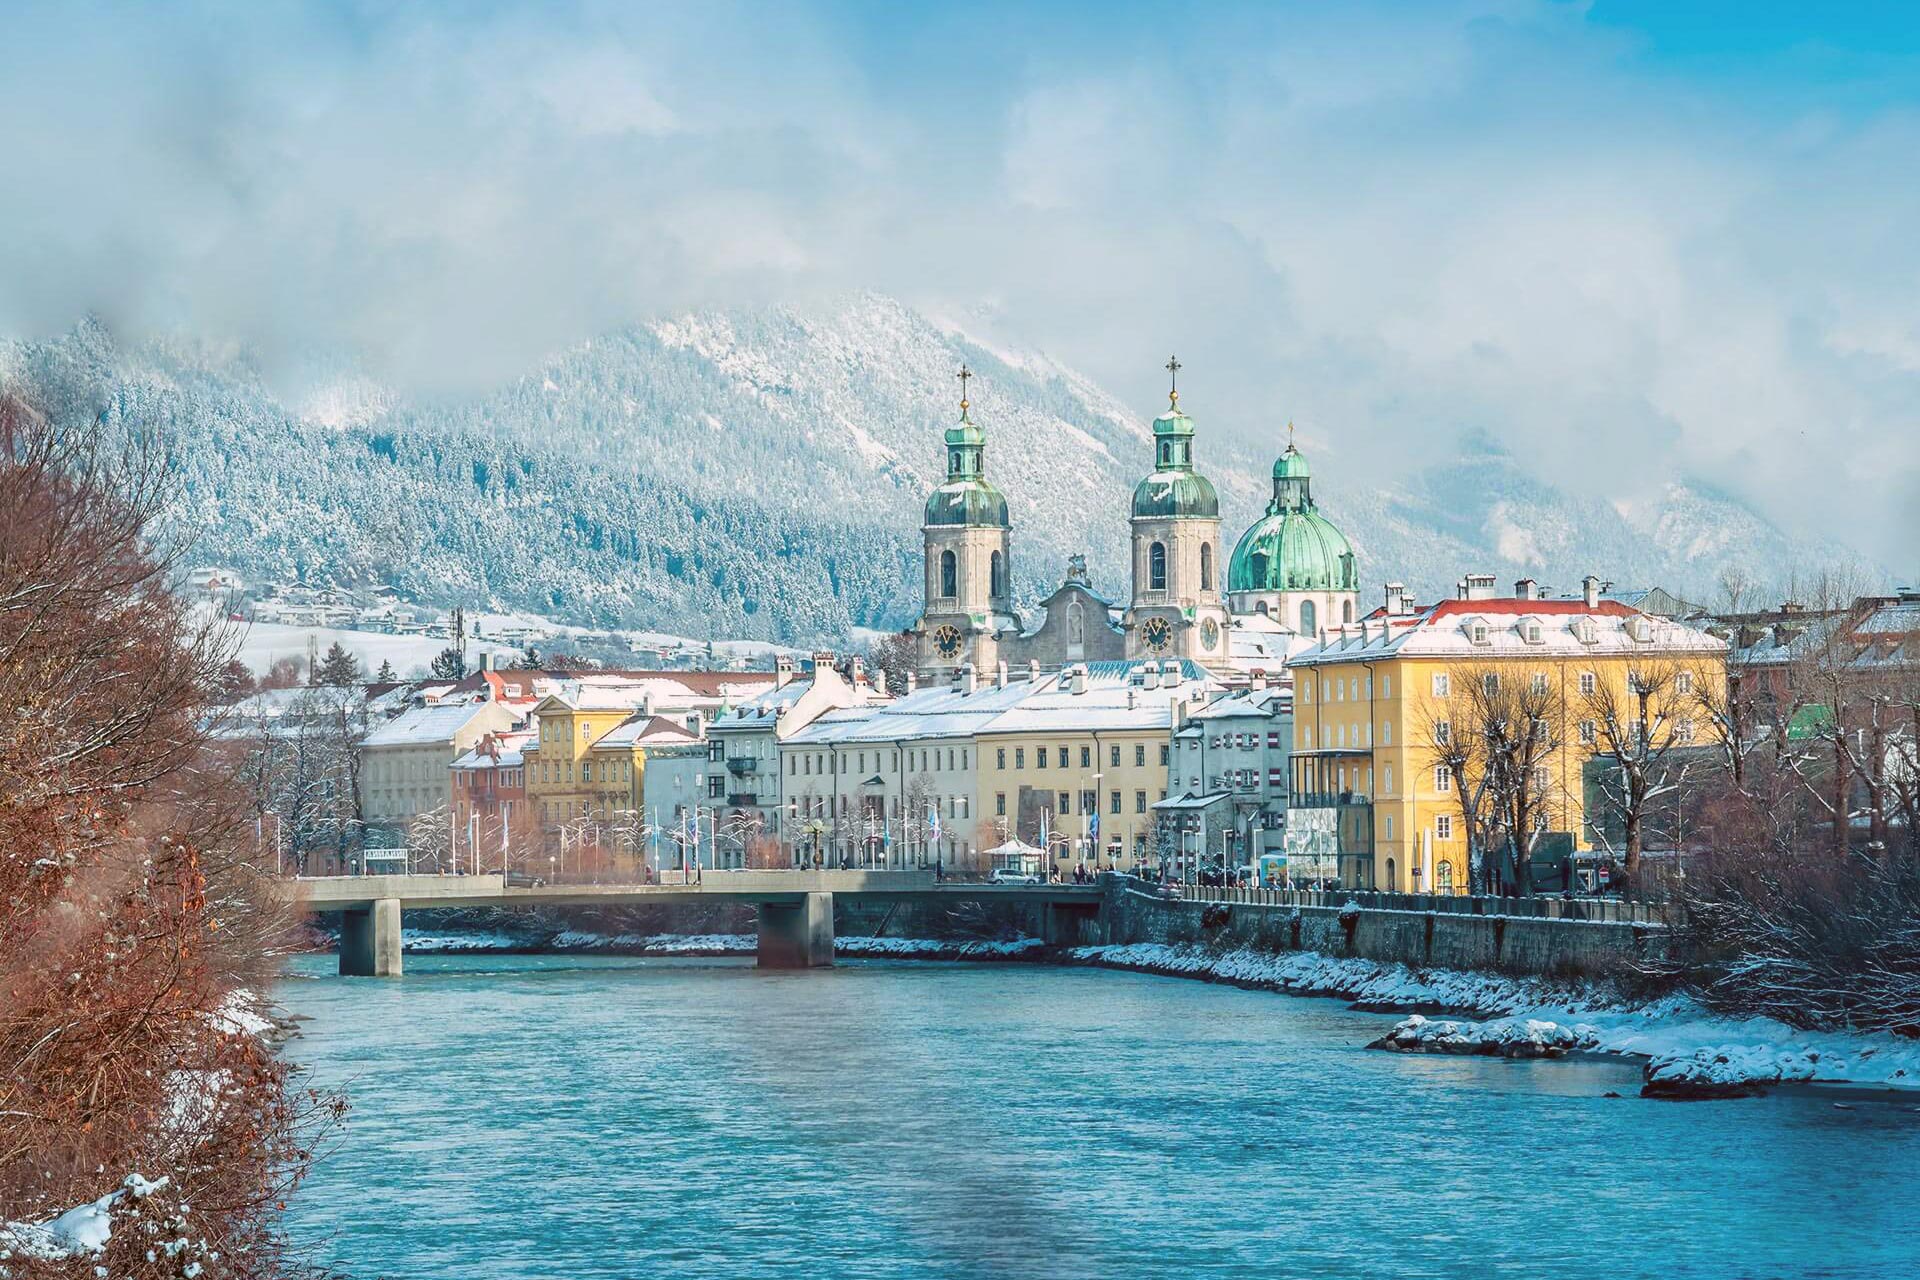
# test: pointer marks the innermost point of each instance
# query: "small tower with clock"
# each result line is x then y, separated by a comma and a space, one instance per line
1178, 610
969, 566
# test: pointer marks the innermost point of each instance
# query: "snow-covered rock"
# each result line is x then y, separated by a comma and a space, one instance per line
1501, 1038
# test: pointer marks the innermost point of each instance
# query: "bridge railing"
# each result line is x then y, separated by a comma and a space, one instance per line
1542, 907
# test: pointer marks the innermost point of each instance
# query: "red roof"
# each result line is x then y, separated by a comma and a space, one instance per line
1518, 608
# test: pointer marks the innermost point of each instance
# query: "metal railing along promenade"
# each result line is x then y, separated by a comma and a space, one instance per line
1539, 907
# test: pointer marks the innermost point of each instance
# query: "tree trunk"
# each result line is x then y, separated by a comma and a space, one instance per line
1632, 868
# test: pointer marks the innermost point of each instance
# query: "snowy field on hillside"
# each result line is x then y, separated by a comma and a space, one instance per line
265, 643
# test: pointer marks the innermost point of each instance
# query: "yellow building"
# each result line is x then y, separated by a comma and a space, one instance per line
1092, 738
588, 759
1388, 715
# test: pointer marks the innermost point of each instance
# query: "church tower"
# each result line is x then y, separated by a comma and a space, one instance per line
969, 567
1177, 609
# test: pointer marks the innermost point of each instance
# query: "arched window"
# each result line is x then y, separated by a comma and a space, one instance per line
1261, 608
1157, 567
949, 575
1393, 884
1206, 566
1307, 618
1346, 611
1076, 624
1443, 876
999, 576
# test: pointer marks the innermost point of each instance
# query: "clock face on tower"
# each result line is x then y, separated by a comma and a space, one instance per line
1209, 634
947, 641
1157, 634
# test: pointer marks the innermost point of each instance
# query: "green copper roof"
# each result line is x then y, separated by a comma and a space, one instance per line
1293, 547
967, 502
1174, 488
964, 432
1175, 493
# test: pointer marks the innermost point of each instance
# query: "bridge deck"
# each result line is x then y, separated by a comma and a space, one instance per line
356, 893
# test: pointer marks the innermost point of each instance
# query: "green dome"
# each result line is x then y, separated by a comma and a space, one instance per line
1292, 551
1174, 488
1175, 493
1293, 547
967, 502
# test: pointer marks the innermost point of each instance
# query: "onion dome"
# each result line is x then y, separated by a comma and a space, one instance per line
1293, 547
1174, 488
968, 497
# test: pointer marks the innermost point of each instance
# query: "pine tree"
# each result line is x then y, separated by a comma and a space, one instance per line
530, 659
339, 667
449, 664
386, 675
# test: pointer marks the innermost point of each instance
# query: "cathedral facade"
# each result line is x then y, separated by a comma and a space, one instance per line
1292, 573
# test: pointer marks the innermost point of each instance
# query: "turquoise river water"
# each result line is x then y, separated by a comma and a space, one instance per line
569, 1117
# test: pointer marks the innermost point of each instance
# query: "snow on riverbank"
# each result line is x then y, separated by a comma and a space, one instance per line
80, 1230
1688, 1051
586, 942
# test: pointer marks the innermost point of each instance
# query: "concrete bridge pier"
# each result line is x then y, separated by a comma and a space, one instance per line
370, 940
797, 933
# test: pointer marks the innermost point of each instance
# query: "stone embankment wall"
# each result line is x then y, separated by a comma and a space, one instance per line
1337, 925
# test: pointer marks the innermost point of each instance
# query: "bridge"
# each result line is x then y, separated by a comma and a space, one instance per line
795, 907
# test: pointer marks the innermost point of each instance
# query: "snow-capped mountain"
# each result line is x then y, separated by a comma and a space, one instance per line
761, 473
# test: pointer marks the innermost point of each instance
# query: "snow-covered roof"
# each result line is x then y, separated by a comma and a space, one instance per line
645, 731
1472, 630
1243, 703
425, 726
511, 747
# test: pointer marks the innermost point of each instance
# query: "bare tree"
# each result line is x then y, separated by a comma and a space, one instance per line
1496, 737
1635, 726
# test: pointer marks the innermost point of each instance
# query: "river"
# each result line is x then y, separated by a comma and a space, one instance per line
582, 1117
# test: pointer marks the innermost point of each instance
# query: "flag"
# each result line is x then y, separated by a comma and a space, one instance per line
934, 809
1093, 830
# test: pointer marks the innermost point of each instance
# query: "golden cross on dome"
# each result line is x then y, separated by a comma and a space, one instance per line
1289, 433
963, 375
1173, 370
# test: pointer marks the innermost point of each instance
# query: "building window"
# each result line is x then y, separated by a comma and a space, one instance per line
1063, 757
1000, 804
1206, 566
1157, 567
1442, 685
1443, 830
1086, 757
1163, 755
1442, 780
1019, 757
1386, 686
1307, 618
1683, 731
1443, 876
997, 575
1139, 802
1066, 804
949, 575
1386, 733
1113, 802
1490, 683
1040, 757
1539, 682
1000, 758
1542, 779
1589, 734
1113, 755
1139, 755
1683, 683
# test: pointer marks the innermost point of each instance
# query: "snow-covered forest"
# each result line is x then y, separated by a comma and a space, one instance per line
760, 474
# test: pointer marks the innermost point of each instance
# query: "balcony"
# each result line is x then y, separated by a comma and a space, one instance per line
742, 800
738, 765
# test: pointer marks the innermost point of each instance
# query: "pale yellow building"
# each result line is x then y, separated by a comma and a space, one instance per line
1372, 698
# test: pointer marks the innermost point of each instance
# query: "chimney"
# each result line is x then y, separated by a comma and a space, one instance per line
966, 677
782, 670
1152, 674
1000, 674
1477, 586
1526, 589
1397, 600
913, 681
880, 681
1590, 591
857, 669
1033, 670
822, 661
1259, 680
1077, 678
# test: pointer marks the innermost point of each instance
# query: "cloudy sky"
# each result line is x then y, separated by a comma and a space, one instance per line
1632, 241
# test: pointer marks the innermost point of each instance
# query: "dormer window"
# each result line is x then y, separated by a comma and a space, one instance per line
1639, 628
1584, 630
1530, 630
1477, 630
